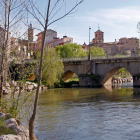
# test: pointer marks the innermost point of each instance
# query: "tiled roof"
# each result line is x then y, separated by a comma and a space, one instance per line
99, 31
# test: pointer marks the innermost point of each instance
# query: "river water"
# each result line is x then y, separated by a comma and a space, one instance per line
88, 114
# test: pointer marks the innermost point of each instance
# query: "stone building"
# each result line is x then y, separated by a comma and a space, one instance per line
116, 47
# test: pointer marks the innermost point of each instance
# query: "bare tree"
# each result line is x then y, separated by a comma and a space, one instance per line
11, 14
34, 11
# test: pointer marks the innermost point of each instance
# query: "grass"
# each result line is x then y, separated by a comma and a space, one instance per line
74, 79
68, 84
122, 76
4, 130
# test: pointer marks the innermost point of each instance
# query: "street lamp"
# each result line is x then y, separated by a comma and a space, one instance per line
89, 44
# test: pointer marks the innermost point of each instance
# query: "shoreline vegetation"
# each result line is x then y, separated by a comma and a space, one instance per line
11, 128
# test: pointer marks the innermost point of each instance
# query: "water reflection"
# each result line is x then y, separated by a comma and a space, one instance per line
88, 113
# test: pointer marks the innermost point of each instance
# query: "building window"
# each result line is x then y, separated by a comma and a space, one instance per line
136, 41
99, 34
96, 35
126, 41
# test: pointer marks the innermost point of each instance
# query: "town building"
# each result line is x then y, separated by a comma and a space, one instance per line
40, 40
18, 48
59, 41
51, 39
3, 35
84, 46
116, 47
32, 45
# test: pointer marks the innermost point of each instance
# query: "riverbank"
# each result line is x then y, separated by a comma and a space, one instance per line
12, 129
17, 94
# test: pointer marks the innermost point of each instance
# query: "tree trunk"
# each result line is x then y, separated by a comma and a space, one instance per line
31, 121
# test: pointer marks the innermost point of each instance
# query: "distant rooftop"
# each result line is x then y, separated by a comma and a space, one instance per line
98, 31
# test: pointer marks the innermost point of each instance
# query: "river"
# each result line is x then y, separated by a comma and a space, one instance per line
88, 114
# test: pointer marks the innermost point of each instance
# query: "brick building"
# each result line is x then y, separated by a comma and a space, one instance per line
116, 47
51, 39
40, 40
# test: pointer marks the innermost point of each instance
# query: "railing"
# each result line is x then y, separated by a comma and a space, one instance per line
101, 57
107, 57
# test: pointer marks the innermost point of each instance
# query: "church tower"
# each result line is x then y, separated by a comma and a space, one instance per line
99, 36
30, 33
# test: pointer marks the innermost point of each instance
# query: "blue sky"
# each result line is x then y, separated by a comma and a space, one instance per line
116, 18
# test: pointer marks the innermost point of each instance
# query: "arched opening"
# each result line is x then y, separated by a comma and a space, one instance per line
117, 75
70, 78
70, 75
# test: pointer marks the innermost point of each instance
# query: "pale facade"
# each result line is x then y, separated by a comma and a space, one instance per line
59, 41
50, 35
18, 48
64, 40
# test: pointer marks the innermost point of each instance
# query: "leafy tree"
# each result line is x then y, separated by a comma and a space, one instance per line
94, 51
70, 50
52, 67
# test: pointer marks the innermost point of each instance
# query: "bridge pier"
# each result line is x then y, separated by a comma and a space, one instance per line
136, 80
89, 81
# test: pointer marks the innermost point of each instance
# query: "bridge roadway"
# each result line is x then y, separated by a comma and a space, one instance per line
104, 66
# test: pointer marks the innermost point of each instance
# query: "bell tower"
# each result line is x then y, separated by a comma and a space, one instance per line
99, 36
30, 33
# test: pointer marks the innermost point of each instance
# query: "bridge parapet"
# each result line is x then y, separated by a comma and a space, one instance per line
98, 57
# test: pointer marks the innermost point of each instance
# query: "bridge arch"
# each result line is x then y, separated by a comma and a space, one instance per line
67, 75
107, 79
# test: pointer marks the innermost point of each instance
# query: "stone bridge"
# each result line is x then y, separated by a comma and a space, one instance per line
87, 71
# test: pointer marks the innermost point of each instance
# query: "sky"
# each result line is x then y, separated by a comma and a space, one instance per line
116, 18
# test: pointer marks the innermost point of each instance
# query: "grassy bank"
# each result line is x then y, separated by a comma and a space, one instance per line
122, 76
4, 130
71, 82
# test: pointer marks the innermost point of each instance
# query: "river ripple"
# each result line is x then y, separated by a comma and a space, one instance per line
88, 114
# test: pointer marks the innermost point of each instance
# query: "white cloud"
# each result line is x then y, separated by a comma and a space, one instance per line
116, 23
121, 14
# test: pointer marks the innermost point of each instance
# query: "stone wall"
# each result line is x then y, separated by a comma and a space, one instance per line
89, 81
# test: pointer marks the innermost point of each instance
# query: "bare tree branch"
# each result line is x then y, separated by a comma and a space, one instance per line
66, 13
